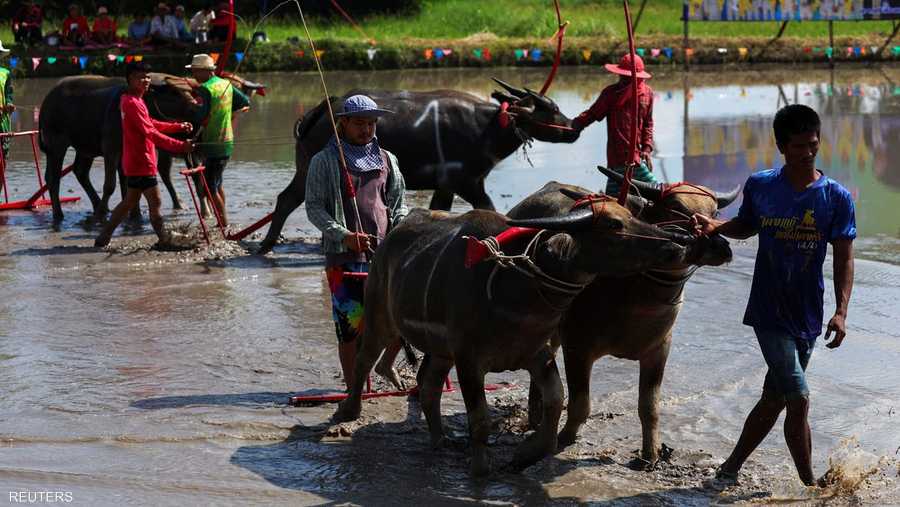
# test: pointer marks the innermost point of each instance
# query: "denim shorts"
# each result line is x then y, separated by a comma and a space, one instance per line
787, 357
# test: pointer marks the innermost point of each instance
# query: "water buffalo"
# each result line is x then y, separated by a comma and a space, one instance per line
488, 319
632, 317
444, 140
82, 112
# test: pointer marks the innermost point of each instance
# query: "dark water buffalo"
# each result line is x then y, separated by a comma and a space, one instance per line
82, 112
487, 319
632, 317
444, 140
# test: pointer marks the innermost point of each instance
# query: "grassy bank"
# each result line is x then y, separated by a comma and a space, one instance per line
505, 30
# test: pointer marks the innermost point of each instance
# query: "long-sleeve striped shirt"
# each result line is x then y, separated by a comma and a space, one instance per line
325, 205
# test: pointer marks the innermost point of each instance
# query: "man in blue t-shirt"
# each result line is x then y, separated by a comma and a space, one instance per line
796, 210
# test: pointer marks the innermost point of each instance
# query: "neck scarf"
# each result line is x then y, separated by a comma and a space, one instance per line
360, 158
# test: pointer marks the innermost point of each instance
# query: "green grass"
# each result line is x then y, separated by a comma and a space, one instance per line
457, 19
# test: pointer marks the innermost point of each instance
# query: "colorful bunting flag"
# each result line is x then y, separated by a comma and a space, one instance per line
82, 60
51, 60
816, 49
319, 53
654, 52
861, 50
111, 58
215, 57
743, 52
829, 51
668, 52
640, 52
536, 54
688, 52
35, 62
477, 53
807, 50
129, 58
519, 53
74, 60
239, 56
874, 50
487, 54
448, 52
13, 62
138, 58
371, 53
722, 51
299, 53
428, 53
438, 53
586, 54
120, 59
896, 50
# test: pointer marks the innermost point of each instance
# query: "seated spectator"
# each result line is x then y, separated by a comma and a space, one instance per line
75, 31
26, 24
163, 29
104, 29
200, 24
139, 30
220, 26
183, 34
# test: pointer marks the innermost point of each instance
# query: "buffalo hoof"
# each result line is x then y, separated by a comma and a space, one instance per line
532, 450
346, 412
265, 247
388, 372
642, 465
565, 439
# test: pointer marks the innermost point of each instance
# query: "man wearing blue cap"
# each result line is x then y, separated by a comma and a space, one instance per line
353, 227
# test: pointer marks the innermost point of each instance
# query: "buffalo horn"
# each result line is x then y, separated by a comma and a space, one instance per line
648, 190
518, 92
578, 219
575, 195
537, 96
726, 198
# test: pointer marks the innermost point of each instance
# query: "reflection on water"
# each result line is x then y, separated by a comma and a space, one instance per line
132, 378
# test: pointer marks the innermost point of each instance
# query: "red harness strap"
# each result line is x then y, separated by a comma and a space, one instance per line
671, 189
477, 250
597, 202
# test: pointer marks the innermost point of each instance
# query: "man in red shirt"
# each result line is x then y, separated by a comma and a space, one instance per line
141, 135
104, 29
616, 105
75, 27
26, 24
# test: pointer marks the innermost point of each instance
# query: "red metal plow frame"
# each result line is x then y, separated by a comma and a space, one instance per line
36, 199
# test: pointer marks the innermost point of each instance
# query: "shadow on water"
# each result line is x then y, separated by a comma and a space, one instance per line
260, 399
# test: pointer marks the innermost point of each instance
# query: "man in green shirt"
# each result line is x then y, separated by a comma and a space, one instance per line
220, 98
6, 103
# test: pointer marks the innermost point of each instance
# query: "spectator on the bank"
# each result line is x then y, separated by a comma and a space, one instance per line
163, 28
75, 31
183, 34
139, 30
104, 29
200, 24
26, 24
220, 26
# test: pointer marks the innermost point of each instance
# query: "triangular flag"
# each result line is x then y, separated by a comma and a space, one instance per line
477, 53
640, 52
896, 50
319, 53
807, 50
849, 51
688, 52
428, 53
129, 59
816, 49
13, 62
51, 60
239, 56
299, 53
371, 52
668, 52
447, 52
74, 60
518, 53
874, 49
138, 58
111, 58
861, 50
120, 58
743, 52
438, 53
215, 57
722, 51
829, 51
82, 60
586, 54
654, 52
34, 63
487, 54
536, 54
525, 53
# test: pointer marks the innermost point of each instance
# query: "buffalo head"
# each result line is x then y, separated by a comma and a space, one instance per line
536, 115
171, 98
675, 204
604, 238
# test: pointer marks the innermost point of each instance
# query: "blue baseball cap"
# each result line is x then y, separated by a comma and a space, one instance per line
361, 105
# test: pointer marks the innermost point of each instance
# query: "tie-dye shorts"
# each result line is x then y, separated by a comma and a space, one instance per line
347, 299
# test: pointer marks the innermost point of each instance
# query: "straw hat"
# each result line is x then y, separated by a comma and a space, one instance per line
624, 67
3, 49
202, 62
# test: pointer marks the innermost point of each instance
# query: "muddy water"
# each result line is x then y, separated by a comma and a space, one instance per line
133, 376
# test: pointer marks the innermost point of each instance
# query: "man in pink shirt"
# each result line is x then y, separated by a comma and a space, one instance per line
616, 105
141, 135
